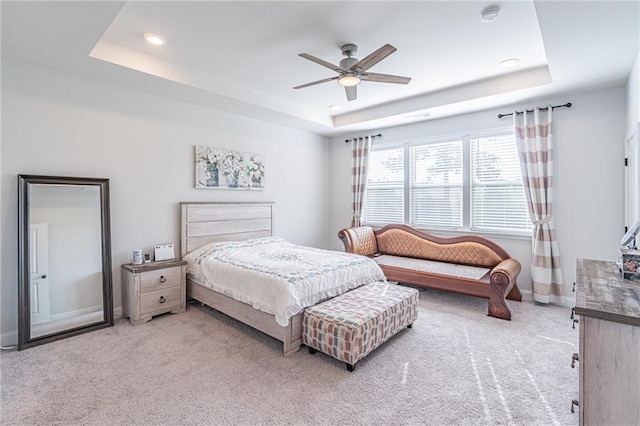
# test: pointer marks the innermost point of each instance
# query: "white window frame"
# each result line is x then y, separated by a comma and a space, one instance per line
466, 184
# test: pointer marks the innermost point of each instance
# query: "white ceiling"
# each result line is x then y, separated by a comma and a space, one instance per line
242, 57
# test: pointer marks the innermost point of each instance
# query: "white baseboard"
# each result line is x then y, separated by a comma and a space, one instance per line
117, 313
10, 338
77, 312
567, 301
526, 295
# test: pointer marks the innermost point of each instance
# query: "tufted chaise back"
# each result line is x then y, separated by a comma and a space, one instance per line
398, 241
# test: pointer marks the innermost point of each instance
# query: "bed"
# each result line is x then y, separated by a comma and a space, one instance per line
249, 226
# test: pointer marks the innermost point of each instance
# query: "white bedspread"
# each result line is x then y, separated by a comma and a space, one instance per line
278, 277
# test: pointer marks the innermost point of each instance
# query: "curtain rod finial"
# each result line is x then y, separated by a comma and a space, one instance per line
379, 135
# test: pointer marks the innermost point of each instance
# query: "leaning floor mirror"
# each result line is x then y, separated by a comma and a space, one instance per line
64, 256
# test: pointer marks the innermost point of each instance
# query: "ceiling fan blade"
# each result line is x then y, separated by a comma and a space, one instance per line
313, 83
321, 62
373, 58
352, 93
385, 78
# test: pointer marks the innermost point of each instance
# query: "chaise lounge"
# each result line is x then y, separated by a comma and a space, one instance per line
467, 264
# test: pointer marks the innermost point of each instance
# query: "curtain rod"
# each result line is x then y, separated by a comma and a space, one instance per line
567, 105
379, 135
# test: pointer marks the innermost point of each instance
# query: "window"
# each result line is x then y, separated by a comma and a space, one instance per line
384, 196
497, 196
436, 185
471, 182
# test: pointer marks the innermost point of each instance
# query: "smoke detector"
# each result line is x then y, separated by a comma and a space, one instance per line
490, 14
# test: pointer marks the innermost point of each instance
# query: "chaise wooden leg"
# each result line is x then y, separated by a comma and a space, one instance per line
499, 310
497, 303
312, 351
350, 367
410, 325
515, 294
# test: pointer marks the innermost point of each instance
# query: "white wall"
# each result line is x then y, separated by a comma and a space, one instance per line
633, 98
59, 124
632, 198
589, 176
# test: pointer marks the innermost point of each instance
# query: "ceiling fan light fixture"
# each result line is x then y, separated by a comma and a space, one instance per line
352, 71
349, 80
156, 39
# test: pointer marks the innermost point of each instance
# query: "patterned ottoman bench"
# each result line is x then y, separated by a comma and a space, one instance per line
353, 324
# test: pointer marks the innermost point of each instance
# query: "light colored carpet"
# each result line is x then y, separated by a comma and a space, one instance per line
455, 366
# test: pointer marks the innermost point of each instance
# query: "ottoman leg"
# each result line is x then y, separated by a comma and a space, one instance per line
350, 367
410, 325
312, 351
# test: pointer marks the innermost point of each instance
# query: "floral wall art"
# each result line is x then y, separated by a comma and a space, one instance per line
228, 169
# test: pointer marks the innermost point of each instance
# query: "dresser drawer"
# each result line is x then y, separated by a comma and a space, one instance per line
160, 278
161, 300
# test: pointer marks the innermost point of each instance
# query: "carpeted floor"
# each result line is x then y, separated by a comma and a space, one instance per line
456, 366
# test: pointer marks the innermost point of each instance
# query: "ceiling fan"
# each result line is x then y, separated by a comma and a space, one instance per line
352, 71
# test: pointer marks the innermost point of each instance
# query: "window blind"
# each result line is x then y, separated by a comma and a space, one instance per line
436, 184
384, 196
497, 196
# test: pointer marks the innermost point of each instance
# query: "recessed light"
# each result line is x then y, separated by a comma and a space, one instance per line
156, 39
508, 63
490, 14
334, 107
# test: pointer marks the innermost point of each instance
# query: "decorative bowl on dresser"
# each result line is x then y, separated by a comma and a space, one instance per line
152, 289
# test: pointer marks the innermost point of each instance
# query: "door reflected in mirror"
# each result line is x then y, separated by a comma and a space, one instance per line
65, 258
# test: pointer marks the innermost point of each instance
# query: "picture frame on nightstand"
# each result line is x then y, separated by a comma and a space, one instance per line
164, 252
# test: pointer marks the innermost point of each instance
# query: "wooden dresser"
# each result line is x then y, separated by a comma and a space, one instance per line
152, 289
609, 357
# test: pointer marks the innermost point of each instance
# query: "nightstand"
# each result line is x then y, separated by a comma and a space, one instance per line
152, 289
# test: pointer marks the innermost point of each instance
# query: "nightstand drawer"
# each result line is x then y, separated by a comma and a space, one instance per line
161, 300
160, 278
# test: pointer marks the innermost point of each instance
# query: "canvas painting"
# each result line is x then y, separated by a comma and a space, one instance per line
218, 168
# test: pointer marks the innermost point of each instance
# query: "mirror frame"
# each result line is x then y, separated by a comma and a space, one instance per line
24, 312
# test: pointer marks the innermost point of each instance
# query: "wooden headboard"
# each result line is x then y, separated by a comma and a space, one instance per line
203, 222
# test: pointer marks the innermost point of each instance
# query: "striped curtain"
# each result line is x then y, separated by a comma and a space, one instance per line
359, 165
535, 146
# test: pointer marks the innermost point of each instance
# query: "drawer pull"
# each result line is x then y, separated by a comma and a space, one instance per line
573, 313
574, 358
575, 321
162, 279
574, 403
162, 299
